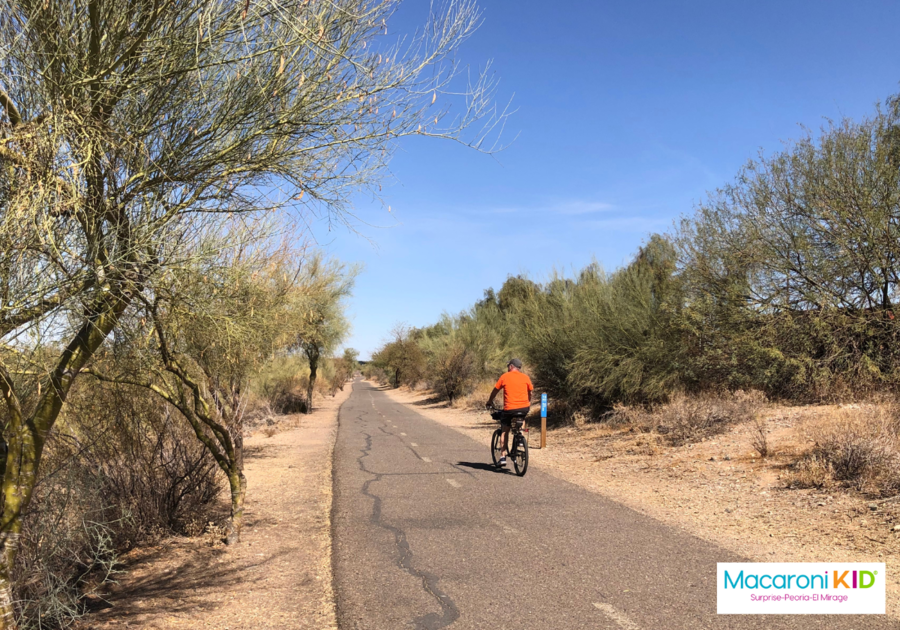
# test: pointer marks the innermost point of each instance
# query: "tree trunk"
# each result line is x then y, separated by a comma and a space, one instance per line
236, 479
313, 368
28, 435
238, 484
7, 557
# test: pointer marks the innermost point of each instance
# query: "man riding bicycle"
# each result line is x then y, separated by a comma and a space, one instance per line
517, 389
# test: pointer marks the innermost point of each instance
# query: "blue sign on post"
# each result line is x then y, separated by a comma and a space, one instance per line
543, 405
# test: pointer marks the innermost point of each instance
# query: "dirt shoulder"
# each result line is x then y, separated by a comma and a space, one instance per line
280, 574
718, 489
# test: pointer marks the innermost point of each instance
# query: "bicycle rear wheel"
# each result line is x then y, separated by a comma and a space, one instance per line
496, 446
520, 454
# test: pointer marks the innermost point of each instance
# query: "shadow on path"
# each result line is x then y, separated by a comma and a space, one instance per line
487, 467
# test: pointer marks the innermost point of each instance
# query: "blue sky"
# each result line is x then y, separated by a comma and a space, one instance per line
628, 112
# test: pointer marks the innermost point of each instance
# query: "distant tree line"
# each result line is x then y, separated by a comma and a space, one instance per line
785, 281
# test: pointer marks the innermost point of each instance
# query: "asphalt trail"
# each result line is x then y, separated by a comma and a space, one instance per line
428, 535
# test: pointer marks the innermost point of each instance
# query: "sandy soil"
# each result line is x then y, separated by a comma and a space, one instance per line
280, 574
718, 489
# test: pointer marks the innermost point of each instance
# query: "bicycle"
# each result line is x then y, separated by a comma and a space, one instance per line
518, 449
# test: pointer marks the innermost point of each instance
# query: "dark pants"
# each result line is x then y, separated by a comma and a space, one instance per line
507, 416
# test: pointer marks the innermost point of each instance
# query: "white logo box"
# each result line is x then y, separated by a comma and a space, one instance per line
800, 588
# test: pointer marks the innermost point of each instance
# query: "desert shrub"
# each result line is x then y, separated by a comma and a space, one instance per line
690, 418
792, 271
375, 373
343, 369
326, 376
121, 469
139, 454
547, 324
337, 381
629, 415
148, 465
628, 342
66, 552
856, 447
476, 396
270, 430
811, 471
759, 436
452, 370
402, 359
286, 394
598, 339
279, 388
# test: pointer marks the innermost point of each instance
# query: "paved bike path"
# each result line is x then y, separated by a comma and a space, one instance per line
427, 535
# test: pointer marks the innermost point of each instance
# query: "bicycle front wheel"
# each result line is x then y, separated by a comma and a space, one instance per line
520, 454
496, 446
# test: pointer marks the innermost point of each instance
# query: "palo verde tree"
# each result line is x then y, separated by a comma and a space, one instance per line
128, 126
793, 270
319, 312
401, 356
207, 328
345, 366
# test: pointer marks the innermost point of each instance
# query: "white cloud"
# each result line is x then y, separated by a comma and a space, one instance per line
569, 208
581, 207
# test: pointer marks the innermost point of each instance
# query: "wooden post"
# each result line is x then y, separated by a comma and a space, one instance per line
543, 421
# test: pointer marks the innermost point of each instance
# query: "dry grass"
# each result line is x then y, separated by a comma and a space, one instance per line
857, 446
476, 398
687, 419
759, 436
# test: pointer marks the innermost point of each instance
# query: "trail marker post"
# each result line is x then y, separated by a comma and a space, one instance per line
543, 420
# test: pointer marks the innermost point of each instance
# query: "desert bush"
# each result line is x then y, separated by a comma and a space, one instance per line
326, 376
627, 337
147, 463
783, 281
791, 270
375, 373
690, 418
270, 430
343, 369
66, 553
280, 387
286, 394
451, 371
635, 416
477, 395
547, 324
759, 436
401, 358
811, 471
120, 470
598, 339
857, 447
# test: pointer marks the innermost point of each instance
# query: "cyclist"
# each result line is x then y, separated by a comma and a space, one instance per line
517, 390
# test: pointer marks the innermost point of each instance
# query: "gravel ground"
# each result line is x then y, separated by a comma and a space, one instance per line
718, 489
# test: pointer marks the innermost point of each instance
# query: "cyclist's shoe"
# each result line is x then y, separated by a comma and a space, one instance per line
502, 461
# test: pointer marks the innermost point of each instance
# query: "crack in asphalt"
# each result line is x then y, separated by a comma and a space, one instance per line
431, 621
